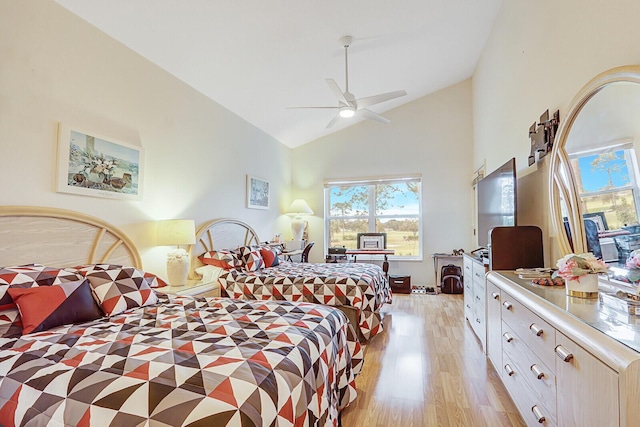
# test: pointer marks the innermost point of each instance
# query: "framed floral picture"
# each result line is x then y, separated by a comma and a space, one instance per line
257, 193
98, 166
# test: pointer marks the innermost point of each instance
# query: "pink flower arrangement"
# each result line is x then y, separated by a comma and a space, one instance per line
572, 266
633, 264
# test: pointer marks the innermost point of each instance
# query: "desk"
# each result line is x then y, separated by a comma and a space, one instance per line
385, 252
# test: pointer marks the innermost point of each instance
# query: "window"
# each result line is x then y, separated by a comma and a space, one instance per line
607, 182
386, 205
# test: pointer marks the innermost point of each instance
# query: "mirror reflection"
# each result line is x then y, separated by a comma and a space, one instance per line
602, 147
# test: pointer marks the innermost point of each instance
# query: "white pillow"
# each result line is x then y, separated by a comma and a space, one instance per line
209, 273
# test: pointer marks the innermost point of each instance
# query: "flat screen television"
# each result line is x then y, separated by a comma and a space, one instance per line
497, 200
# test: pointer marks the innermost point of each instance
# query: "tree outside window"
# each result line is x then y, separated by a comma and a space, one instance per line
391, 207
607, 183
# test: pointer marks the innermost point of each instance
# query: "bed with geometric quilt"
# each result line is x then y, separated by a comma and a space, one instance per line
361, 286
248, 268
98, 343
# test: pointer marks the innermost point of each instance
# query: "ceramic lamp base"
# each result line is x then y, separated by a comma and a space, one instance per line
297, 228
585, 287
178, 267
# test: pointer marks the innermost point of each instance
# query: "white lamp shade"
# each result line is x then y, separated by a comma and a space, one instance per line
176, 232
300, 207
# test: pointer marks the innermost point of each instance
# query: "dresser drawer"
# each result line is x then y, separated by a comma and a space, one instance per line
468, 307
467, 266
532, 413
535, 332
540, 380
478, 271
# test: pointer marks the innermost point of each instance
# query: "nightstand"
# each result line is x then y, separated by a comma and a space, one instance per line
194, 288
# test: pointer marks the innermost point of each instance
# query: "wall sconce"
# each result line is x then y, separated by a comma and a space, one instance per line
298, 208
176, 232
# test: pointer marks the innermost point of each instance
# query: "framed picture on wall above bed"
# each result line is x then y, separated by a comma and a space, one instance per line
98, 166
257, 193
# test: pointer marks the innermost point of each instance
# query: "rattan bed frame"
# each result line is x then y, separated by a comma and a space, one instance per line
61, 238
222, 233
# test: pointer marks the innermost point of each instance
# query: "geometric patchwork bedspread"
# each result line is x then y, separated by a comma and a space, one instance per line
359, 285
185, 362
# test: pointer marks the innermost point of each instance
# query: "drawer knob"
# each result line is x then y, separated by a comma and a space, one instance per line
537, 371
478, 297
538, 414
477, 320
507, 305
495, 295
507, 337
563, 353
508, 369
536, 329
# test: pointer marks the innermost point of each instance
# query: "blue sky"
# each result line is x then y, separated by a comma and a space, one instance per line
406, 199
596, 180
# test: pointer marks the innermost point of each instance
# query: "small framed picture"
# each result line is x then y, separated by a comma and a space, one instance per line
98, 166
257, 193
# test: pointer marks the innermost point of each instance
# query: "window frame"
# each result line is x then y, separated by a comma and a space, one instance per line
629, 155
372, 216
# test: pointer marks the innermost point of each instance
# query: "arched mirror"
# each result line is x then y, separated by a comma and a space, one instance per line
594, 177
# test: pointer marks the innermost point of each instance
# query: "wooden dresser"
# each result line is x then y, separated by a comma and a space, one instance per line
565, 361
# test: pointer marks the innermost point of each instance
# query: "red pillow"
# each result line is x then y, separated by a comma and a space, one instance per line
46, 307
25, 276
270, 256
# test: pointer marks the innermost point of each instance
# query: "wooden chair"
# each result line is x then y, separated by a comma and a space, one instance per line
305, 252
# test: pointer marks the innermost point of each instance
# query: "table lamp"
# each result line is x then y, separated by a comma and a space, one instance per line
298, 208
177, 232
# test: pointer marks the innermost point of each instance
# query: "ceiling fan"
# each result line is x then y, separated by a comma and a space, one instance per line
348, 105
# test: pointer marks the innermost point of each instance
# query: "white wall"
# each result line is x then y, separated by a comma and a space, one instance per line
54, 68
431, 136
538, 57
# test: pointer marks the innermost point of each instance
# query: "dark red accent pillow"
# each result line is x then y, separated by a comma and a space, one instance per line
25, 276
270, 256
46, 307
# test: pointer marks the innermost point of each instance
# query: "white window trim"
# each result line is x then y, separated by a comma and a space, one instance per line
628, 148
371, 181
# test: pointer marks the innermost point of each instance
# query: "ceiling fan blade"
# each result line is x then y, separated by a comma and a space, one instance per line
333, 121
376, 99
368, 114
336, 91
293, 108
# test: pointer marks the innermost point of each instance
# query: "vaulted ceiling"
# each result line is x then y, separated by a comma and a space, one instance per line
259, 57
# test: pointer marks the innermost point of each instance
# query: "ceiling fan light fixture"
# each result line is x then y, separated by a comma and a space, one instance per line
349, 105
347, 111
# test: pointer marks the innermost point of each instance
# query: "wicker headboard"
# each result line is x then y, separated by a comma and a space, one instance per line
61, 238
224, 233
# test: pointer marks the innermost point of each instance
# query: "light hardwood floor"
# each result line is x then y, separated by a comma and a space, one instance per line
427, 369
